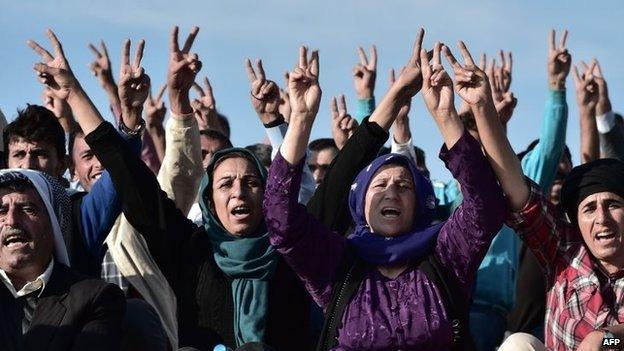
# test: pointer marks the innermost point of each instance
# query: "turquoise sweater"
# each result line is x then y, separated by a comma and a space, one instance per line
496, 278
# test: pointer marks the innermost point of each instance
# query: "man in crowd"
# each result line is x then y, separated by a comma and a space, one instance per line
44, 304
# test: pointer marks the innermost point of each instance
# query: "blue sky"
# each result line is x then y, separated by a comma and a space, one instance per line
273, 30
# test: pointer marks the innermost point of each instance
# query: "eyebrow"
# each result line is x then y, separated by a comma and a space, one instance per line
21, 204
246, 175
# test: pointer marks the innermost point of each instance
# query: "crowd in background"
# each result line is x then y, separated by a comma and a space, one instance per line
157, 233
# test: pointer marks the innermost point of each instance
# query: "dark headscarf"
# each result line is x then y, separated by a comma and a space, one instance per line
380, 250
601, 175
250, 261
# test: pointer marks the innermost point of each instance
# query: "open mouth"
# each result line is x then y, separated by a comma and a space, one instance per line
605, 236
241, 211
390, 212
97, 176
15, 240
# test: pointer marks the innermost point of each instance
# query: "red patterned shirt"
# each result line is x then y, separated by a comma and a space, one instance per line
581, 298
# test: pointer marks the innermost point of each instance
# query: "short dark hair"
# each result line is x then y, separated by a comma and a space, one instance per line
262, 152
322, 144
35, 124
215, 134
76, 131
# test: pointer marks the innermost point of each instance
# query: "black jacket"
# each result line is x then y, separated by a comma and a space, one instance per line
184, 254
330, 204
73, 313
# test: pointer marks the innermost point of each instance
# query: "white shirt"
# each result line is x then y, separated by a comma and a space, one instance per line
39, 282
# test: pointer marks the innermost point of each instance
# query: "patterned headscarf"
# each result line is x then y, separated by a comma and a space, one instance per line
54, 198
378, 249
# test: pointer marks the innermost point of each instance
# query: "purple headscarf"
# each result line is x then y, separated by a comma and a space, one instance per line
377, 249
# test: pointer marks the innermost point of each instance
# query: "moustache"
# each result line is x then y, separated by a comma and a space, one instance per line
12, 233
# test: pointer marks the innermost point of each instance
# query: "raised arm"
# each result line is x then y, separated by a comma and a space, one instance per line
205, 108
610, 131
364, 76
101, 68
54, 71
100, 207
587, 98
155, 111
407, 85
401, 142
541, 163
437, 92
465, 237
266, 99
310, 249
329, 203
182, 167
305, 97
472, 85
146, 207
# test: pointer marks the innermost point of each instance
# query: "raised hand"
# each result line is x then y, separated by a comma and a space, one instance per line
101, 67
303, 85
401, 130
405, 86
505, 107
471, 83
504, 70
559, 61
410, 80
586, 88
407, 104
59, 107
155, 109
205, 108
134, 85
365, 73
437, 88
604, 103
183, 67
54, 71
265, 94
343, 125
504, 100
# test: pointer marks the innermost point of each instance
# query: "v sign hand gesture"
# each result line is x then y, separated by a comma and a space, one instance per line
134, 84
54, 71
343, 125
559, 61
471, 83
437, 90
303, 86
183, 67
365, 73
265, 94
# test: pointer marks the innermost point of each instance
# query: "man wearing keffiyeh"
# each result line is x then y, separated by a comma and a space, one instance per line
42, 301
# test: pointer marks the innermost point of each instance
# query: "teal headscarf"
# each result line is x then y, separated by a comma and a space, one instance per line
250, 261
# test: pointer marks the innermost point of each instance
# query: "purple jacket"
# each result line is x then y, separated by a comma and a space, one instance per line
390, 314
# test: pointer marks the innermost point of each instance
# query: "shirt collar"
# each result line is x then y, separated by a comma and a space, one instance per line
38, 283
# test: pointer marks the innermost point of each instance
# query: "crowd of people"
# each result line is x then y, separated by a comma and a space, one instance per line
159, 234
